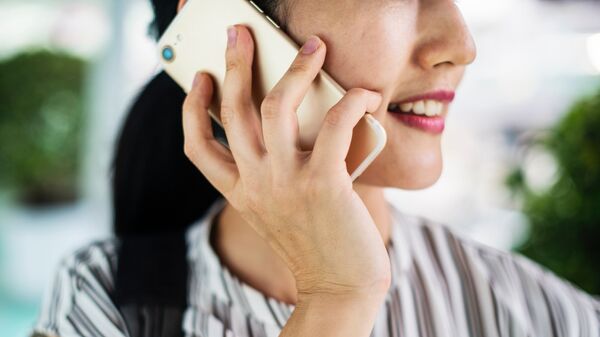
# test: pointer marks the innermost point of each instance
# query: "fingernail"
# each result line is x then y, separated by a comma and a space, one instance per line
311, 45
231, 36
196, 79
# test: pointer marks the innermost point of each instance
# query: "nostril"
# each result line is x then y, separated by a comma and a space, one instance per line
442, 64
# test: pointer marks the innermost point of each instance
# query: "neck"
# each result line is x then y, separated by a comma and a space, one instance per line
252, 260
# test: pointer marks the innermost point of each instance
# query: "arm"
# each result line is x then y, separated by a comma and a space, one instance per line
333, 315
301, 202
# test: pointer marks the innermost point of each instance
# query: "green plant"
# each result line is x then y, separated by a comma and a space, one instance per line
565, 219
41, 115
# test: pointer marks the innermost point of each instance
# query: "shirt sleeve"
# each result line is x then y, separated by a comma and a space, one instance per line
52, 315
77, 301
529, 295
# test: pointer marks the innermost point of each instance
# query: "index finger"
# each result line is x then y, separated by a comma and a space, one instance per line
335, 136
238, 113
278, 110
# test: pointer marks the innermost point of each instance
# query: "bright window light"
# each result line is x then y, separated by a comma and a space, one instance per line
593, 47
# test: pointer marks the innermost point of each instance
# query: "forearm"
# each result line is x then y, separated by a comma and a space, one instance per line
332, 316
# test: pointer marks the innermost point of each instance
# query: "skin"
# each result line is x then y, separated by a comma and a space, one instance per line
381, 51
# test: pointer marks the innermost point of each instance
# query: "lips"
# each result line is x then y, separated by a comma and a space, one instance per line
423, 112
428, 108
444, 96
433, 125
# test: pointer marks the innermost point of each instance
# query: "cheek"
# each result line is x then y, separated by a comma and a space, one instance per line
373, 58
411, 158
368, 46
376, 55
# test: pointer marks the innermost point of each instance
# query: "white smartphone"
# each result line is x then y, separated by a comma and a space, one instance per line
196, 40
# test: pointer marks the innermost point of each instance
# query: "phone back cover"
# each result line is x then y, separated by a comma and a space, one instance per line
199, 40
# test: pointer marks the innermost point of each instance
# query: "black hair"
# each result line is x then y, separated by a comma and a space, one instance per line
157, 193
165, 11
155, 188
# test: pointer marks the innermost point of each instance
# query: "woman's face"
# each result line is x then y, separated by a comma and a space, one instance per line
403, 49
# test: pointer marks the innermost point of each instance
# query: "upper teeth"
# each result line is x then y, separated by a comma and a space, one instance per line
428, 108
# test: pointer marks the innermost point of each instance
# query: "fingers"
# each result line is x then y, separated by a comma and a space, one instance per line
238, 113
335, 136
200, 146
278, 110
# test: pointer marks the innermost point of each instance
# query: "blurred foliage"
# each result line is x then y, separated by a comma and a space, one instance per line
41, 115
565, 218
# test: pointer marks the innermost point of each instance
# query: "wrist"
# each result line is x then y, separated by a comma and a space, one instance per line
363, 290
369, 296
326, 314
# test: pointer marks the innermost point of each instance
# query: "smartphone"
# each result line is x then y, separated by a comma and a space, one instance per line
196, 40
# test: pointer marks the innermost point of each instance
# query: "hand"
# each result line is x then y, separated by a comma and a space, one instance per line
301, 202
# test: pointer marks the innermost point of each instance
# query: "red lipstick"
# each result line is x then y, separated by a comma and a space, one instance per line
431, 118
435, 125
444, 96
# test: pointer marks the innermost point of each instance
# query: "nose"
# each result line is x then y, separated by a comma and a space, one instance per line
444, 38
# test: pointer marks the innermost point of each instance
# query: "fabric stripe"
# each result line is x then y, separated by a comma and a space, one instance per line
273, 314
442, 285
469, 292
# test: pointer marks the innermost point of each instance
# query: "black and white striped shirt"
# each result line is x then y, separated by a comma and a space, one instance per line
442, 285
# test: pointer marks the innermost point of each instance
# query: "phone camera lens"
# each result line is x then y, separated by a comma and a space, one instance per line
168, 54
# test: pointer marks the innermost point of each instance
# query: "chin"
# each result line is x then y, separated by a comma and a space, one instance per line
408, 170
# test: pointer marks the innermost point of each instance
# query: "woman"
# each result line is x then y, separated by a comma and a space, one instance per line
295, 248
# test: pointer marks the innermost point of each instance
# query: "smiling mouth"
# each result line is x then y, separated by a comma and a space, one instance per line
428, 108
431, 104
424, 112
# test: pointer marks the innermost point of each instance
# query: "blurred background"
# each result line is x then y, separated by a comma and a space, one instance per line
522, 148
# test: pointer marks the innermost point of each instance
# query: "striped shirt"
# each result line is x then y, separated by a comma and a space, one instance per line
442, 285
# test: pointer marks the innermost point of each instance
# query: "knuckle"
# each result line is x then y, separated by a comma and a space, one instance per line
359, 93
298, 68
334, 117
189, 150
237, 104
231, 65
321, 189
271, 105
244, 104
226, 113
280, 188
317, 188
